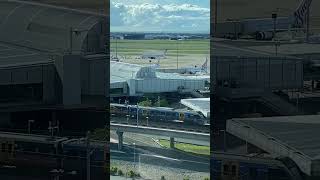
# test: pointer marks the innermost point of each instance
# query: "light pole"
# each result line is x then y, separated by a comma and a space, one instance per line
147, 120
137, 115
128, 118
274, 17
117, 49
51, 128
29, 125
134, 155
177, 54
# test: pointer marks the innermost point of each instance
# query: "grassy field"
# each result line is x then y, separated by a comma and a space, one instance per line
136, 47
189, 52
203, 150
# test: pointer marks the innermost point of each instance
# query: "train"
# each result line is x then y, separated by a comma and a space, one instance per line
158, 114
42, 154
232, 167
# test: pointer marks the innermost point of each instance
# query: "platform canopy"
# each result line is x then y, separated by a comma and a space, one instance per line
198, 104
296, 137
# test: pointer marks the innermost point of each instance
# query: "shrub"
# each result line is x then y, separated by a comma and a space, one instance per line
162, 178
113, 170
120, 173
131, 174
146, 103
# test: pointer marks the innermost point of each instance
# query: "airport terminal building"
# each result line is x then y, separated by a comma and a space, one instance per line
136, 80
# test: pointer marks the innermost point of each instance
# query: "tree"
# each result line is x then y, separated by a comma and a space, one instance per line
131, 174
120, 173
163, 103
163, 178
113, 170
146, 103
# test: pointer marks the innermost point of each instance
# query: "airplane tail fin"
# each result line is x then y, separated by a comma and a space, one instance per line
205, 65
300, 15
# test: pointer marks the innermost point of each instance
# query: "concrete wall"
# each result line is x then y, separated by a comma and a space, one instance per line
51, 85
71, 80
264, 72
21, 75
166, 85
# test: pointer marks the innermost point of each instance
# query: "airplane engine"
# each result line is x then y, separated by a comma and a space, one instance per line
261, 35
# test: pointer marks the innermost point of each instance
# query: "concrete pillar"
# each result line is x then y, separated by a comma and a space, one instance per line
120, 140
172, 142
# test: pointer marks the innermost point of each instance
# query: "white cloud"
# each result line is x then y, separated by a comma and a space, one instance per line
160, 17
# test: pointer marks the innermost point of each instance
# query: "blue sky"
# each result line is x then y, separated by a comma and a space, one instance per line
160, 15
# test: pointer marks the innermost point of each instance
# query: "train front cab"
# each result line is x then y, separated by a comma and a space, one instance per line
7, 152
230, 170
181, 116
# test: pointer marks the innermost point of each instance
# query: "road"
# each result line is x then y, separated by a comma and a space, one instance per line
145, 146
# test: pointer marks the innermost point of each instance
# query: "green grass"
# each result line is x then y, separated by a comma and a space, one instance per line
191, 148
136, 47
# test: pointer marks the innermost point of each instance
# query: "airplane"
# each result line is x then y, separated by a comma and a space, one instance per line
263, 28
154, 54
198, 70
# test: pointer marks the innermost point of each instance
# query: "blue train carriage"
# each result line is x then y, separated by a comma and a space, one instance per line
34, 151
164, 114
191, 117
77, 148
118, 109
243, 170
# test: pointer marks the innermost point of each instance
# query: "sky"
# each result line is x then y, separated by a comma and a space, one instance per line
160, 16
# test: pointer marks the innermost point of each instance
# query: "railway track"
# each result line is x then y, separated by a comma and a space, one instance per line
164, 125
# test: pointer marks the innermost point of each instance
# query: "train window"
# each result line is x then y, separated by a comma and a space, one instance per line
3, 147
172, 114
225, 169
233, 170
